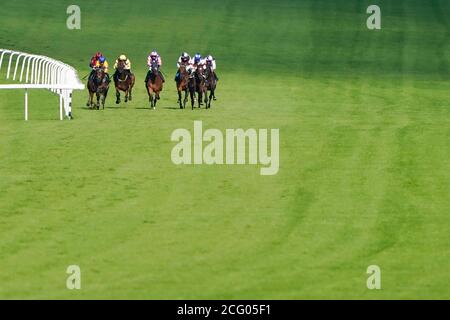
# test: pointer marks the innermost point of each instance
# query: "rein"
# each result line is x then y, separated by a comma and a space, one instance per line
126, 78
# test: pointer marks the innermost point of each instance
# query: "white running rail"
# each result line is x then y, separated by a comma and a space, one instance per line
39, 72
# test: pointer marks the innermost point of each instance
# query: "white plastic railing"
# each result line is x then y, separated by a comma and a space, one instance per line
39, 72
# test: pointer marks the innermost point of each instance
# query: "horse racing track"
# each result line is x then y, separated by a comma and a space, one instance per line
354, 120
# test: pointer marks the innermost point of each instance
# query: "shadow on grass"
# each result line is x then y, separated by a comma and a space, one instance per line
172, 108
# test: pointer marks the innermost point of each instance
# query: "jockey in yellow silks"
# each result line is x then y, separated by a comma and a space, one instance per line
127, 64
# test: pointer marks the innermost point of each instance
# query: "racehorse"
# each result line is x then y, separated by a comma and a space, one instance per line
124, 81
183, 85
211, 84
99, 85
154, 85
201, 86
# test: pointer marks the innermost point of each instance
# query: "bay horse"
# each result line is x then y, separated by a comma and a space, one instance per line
183, 85
154, 85
124, 81
99, 85
201, 85
211, 84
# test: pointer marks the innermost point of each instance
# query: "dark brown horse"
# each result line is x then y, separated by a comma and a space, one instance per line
124, 81
201, 85
154, 85
183, 85
211, 84
98, 85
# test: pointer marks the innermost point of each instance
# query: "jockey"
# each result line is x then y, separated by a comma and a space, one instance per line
196, 62
94, 59
122, 58
185, 60
103, 64
211, 62
152, 58
93, 63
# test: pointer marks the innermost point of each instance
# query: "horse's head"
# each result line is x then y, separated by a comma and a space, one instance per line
184, 70
99, 75
121, 66
201, 71
100, 78
155, 67
208, 70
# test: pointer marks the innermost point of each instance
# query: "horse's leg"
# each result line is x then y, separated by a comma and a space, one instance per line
132, 82
179, 98
206, 99
90, 100
200, 99
98, 102
126, 96
150, 97
210, 98
117, 96
88, 103
158, 97
104, 97
185, 98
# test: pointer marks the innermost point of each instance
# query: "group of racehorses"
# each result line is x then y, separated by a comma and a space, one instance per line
194, 82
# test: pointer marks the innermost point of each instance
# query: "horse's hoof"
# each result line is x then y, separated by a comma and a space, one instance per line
117, 102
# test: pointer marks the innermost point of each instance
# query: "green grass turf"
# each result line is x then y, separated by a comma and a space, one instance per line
364, 178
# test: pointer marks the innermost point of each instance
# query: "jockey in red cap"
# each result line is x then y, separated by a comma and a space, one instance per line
95, 59
94, 63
